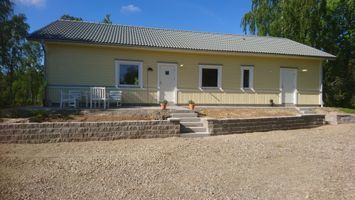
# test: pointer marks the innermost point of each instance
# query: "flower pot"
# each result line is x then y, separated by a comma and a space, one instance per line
191, 106
163, 106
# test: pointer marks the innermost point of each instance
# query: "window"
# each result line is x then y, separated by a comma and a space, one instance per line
210, 76
247, 73
128, 74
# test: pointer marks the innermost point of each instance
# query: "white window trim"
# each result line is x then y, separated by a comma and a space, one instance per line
125, 62
251, 77
219, 76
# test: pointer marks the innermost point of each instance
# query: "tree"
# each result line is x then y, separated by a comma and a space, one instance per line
13, 31
20, 60
324, 24
107, 19
72, 18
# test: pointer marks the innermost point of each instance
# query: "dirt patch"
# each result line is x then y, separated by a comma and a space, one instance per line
246, 112
299, 164
41, 115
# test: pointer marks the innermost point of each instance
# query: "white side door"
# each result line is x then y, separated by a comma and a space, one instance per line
289, 85
167, 82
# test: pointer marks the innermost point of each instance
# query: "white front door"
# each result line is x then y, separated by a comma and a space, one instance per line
288, 85
167, 82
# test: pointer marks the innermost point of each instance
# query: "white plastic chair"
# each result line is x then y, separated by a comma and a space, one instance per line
115, 95
72, 98
97, 94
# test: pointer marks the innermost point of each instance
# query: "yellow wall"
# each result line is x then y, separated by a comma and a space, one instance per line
84, 65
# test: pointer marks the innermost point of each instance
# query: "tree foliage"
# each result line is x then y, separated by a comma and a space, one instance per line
328, 25
107, 19
72, 18
21, 69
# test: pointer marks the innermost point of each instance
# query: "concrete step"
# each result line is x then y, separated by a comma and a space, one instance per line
191, 124
195, 135
190, 119
307, 111
185, 114
192, 129
182, 111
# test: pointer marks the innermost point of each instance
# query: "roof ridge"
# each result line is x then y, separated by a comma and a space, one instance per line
166, 29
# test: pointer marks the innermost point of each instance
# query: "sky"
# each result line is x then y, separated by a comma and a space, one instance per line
223, 16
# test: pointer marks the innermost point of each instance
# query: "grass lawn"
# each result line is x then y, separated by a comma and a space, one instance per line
347, 110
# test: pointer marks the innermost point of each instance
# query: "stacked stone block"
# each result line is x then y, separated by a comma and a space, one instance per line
86, 131
232, 126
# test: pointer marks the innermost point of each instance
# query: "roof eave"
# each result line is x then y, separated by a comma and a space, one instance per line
32, 38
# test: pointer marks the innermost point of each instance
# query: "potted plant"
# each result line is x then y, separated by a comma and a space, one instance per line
272, 103
163, 104
191, 105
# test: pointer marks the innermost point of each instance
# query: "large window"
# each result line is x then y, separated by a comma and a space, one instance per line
210, 76
128, 74
247, 73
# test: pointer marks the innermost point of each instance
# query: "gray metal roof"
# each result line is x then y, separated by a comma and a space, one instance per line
122, 35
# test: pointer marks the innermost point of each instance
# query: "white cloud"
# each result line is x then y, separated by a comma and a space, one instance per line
37, 3
130, 9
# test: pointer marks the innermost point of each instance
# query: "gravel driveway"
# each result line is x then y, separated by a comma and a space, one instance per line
299, 164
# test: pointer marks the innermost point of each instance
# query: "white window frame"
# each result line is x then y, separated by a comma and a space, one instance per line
251, 77
126, 62
219, 76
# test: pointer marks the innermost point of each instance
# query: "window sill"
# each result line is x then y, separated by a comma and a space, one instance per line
210, 89
247, 89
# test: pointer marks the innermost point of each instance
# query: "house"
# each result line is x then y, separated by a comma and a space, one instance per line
151, 64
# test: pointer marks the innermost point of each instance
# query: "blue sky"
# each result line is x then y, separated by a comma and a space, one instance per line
196, 15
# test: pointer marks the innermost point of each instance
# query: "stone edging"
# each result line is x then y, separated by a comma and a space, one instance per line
339, 119
231, 126
86, 131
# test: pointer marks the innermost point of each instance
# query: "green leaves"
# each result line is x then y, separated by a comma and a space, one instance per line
21, 62
328, 25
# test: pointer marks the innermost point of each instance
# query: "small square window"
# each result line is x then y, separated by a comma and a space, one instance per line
128, 73
210, 76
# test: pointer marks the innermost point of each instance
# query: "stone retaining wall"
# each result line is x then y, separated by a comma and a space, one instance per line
339, 119
231, 126
86, 131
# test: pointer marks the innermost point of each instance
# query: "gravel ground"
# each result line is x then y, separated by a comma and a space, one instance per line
299, 164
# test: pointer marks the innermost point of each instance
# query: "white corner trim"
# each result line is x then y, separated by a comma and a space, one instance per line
127, 62
251, 77
219, 77
321, 85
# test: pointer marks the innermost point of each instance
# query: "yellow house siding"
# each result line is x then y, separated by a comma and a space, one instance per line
87, 65
227, 97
